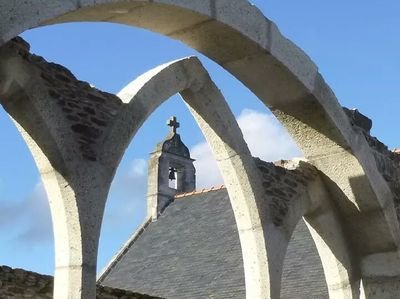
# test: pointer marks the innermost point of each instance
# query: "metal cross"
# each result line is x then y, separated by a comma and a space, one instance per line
173, 123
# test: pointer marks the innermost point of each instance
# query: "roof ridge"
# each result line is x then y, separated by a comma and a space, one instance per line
204, 190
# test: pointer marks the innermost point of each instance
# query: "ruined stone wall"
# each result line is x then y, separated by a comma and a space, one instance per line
18, 283
283, 183
85, 110
387, 161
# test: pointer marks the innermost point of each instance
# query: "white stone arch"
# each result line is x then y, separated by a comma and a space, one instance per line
316, 206
191, 80
238, 37
188, 78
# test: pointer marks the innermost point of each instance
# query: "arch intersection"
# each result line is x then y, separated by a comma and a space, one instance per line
238, 37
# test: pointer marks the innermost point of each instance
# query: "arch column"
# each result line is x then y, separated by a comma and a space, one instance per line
236, 35
47, 104
328, 231
77, 164
261, 241
310, 200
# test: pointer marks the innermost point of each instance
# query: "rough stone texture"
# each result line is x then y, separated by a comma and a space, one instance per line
237, 36
65, 123
78, 179
87, 110
19, 283
237, 167
206, 239
283, 186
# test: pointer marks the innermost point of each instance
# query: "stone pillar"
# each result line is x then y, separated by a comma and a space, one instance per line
65, 123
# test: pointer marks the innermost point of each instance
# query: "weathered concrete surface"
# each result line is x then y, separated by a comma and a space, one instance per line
67, 131
381, 270
64, 122
19, 283
291, 189
295, 190
238, 37
188, 77
277, 213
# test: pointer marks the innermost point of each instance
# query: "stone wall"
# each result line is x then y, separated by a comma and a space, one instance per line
18, 283
87, 111
284, 182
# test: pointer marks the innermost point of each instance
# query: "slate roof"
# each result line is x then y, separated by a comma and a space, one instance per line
193, 251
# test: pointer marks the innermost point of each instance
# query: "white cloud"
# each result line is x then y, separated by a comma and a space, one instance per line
207, 173
265, 136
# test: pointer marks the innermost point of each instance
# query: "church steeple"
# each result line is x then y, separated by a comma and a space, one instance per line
171, 171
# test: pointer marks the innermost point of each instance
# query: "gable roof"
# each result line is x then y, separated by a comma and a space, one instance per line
193, 251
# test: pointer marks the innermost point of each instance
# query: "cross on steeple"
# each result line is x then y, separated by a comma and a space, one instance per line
173, 123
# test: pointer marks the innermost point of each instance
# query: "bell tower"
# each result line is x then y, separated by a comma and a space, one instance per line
171, 171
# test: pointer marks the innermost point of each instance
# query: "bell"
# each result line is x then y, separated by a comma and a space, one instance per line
172, 173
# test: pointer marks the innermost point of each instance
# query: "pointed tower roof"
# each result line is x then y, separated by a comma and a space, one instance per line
173, 143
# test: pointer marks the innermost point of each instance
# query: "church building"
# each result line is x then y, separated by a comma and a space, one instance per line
188, 246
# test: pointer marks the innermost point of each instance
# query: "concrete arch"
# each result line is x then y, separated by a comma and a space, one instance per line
190, 79
316, 206
78, 188
238, 37
328, 232
77, 178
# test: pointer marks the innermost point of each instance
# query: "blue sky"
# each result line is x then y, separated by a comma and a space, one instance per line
356, 45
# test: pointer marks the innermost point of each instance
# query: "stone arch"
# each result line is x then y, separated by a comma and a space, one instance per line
77, 178
188, 78
327, 229
238, 37
36, 95
191, 80
316, 207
